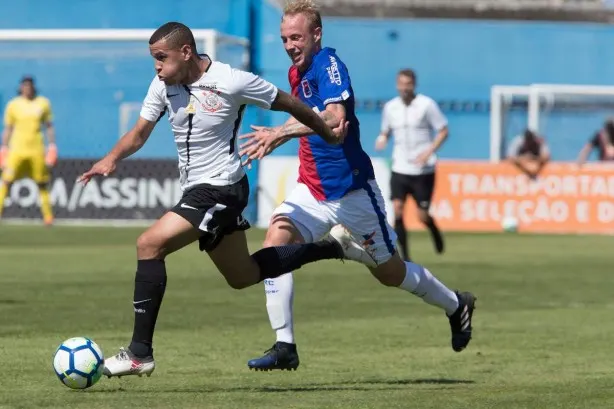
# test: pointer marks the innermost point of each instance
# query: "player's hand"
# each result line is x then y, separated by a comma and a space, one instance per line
104, 167
381, 142
4, 153
340, 132
423, 158
51, 158
259, 143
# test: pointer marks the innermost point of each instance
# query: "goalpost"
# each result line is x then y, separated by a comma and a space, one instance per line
230, 49
565, 114
96, 80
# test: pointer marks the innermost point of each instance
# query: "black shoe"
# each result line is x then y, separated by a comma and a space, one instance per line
460, 321
281, 356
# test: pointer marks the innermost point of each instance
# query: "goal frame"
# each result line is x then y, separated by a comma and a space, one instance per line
209, 39
534, 94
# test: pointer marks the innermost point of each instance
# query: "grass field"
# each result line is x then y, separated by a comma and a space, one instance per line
543, 328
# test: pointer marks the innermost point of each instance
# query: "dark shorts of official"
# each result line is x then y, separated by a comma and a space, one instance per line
420, 187
215, 211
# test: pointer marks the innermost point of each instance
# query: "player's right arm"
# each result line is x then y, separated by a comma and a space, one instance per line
130, 143
586, 149
153, 109
9, 122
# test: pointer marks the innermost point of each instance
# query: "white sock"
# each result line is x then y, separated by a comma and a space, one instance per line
419, 281
279, 297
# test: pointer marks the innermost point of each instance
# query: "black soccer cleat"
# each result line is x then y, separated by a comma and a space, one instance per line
281, 356
460, 321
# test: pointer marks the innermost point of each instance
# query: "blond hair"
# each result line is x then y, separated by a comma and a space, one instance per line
307, 7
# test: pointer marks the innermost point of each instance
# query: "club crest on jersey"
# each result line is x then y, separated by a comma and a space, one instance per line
212, 101
306, 88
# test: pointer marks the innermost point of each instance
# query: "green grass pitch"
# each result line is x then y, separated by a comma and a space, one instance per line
543, 329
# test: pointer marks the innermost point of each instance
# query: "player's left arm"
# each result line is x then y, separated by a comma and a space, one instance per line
254, 90
52, 151
439, 123
334, 115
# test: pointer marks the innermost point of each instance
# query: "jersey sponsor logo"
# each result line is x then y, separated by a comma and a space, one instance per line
211, 87
212, 101
306, 88
333, 71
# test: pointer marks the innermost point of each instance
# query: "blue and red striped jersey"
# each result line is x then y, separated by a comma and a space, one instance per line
330, 171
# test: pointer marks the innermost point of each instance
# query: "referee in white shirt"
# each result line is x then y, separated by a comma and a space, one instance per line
419, 129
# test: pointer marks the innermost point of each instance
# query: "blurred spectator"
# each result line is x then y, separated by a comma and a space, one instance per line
603, 141
529, 153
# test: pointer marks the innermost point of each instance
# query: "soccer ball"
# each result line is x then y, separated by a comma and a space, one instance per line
78, 362
509, 224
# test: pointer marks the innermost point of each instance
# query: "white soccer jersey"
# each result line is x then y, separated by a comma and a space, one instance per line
413, 127
205, 118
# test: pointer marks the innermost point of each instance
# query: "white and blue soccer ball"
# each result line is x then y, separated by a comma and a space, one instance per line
78, 362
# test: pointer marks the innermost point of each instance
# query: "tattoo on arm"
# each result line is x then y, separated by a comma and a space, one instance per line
314, 123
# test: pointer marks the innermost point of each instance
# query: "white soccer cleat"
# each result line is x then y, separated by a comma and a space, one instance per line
352, 249
126, 363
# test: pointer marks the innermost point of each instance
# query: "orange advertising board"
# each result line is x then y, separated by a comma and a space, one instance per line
476, 196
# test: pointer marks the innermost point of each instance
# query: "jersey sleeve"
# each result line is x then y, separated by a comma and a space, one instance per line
9, 114
333, 81
436, 118
154, 104
386, 125
250, 89
47, 113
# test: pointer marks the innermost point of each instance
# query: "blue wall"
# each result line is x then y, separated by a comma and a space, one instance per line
461, 60
228, 16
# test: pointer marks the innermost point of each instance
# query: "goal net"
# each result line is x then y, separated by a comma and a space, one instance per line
565, 115
96, 80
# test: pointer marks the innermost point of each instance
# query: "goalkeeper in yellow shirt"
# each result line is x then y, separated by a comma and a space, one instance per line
22, 153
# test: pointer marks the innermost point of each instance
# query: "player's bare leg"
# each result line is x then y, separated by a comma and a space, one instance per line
419, 281
429, 222
169, 234
279, 301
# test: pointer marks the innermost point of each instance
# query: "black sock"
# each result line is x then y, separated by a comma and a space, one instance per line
149, 286
435, 235
399, 229
279, 260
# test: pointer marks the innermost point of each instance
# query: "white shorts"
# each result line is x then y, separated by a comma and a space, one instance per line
361, 211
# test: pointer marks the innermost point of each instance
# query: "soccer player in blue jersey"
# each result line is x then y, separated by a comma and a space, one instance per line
336, 191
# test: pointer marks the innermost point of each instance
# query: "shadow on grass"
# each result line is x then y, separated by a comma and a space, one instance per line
361, 385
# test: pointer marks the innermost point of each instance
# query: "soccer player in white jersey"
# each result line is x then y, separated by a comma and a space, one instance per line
336, 190
419, 129
205, 100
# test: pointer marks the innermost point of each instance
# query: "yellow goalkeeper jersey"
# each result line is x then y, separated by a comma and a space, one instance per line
27, 118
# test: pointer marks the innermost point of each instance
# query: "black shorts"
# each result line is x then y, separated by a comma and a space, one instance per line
215, 210
420, 187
